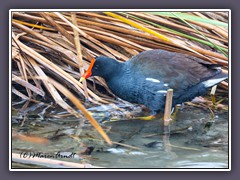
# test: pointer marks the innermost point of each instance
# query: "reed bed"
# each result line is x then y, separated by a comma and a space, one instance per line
60, 45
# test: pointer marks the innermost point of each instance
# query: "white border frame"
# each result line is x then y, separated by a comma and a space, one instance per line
115, 10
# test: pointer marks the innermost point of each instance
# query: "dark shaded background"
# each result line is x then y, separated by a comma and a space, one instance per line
121, 4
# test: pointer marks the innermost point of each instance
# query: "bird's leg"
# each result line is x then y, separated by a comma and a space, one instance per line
174, 112
213, 90
213, 99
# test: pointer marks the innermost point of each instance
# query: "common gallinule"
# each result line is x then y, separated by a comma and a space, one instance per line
145, 78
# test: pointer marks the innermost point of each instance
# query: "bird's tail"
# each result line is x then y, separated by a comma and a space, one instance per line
221, 76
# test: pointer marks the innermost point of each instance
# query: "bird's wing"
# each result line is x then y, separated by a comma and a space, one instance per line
178, 71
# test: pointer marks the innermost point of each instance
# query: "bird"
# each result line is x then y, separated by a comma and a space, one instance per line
145, 78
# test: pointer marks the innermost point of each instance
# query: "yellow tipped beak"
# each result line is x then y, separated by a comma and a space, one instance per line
82, 79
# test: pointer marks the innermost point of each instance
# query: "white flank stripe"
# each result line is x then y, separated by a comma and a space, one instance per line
153, 80
162, 91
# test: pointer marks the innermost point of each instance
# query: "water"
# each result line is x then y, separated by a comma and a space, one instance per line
160, 159
190, 144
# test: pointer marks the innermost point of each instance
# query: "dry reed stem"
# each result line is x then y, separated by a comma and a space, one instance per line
79, 53
211, 27
57, 26
54, 45
30, 138
85, 35
18, 93
27, 85
167, 22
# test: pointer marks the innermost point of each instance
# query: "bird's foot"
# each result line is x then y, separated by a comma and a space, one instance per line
146, 118
153, 116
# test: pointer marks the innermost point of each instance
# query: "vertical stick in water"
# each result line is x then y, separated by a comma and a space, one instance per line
168, 107
166, 120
